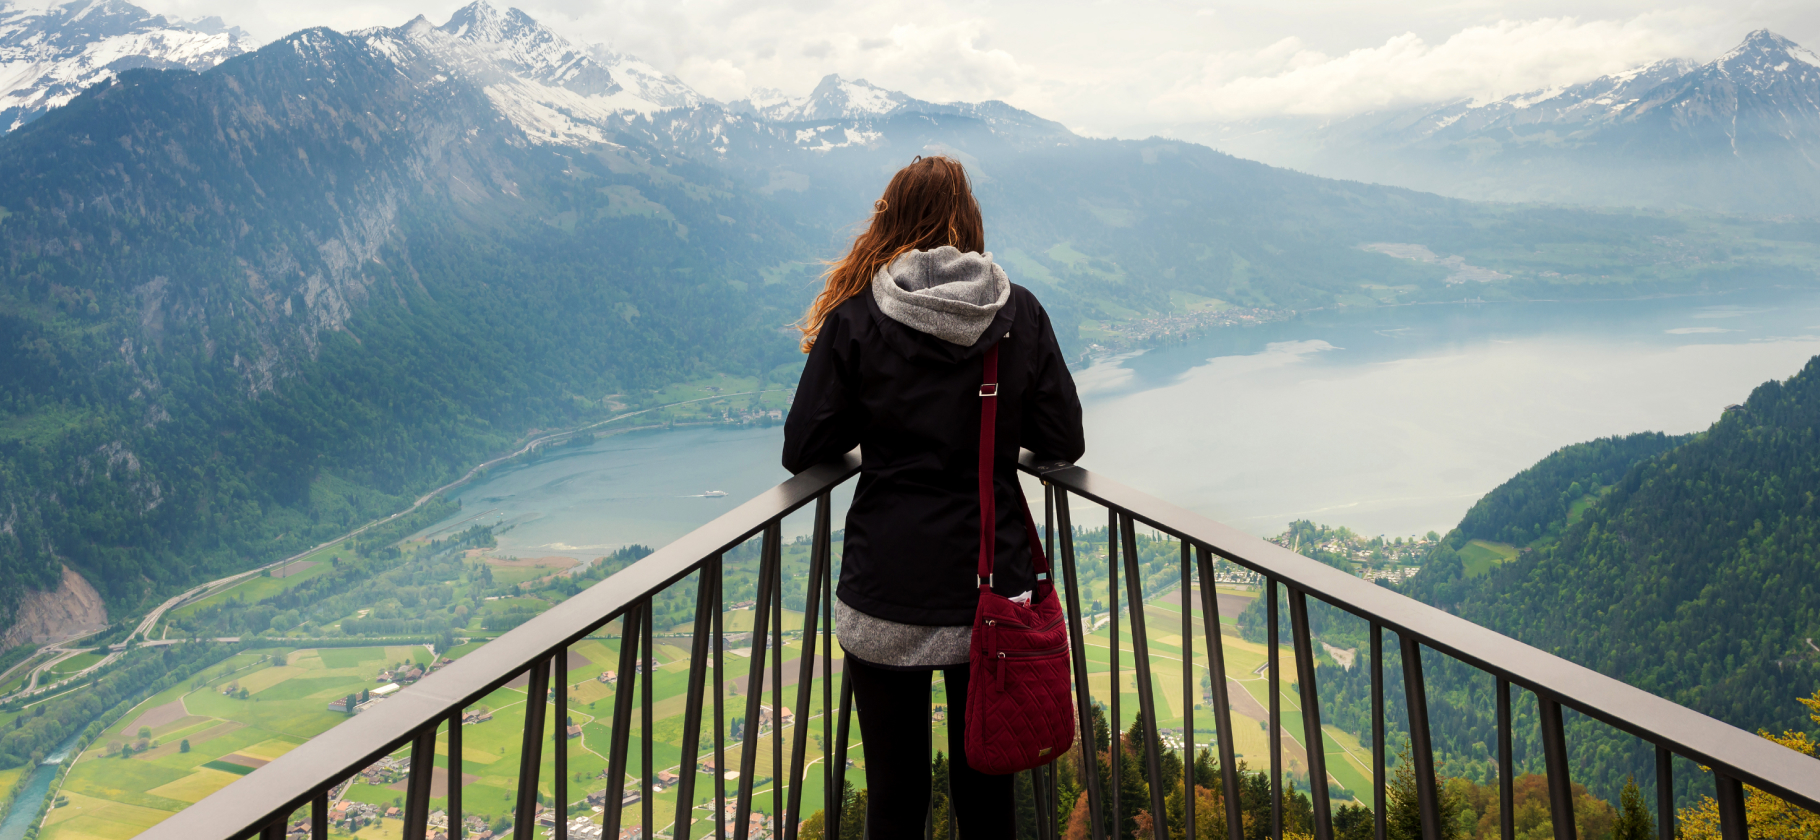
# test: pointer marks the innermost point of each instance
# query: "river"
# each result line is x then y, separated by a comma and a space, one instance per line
1391, 420
37, 787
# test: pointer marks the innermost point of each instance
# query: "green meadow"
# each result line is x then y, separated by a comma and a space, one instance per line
123, 783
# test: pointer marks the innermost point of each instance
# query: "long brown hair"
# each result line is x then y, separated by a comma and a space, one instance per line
927, 205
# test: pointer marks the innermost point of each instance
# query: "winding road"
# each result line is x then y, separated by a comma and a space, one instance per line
66, 647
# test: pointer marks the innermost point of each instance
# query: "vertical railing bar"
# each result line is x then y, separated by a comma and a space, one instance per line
454, 771
319, 816
1276, 714
1416, 692
805, 675
755, 679
1077, 651
1186, 600
929, 817
777, 691
1379, 781
559, 665
720, 721
647, 730
1554, 754
1665, 794
1048, 520
1733, 822
1140, 657
1049, 774
705, 603
1313, 737
530, 761
417, 786
1507, 783
1116, 741
275, 830
836, 813
827, 643
1222, 701
623, 690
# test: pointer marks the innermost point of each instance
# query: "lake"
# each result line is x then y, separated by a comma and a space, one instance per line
1387, 421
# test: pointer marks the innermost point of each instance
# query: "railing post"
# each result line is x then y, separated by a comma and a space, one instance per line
720, 735
1665, 794
1222, 701
1507, 796
530, 762
417, 787
1077, 651
828, 683
769, 555
1416, 691
1140, 656
319, 817
1554, 753
623, 690
559, 744
1276, 715
454, 768
1379, 780
1186, 600
1116, 740
1314, 739
646, 805
805, 675
1733, 823
777, 689
707, 603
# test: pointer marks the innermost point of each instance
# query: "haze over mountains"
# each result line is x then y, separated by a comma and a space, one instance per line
245, 309
1740, 134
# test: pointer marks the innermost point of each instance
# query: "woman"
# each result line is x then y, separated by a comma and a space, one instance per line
896, 342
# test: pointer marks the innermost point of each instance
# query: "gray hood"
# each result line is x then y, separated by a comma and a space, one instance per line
947, 293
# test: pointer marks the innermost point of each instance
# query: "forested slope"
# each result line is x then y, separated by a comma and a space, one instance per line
248, 309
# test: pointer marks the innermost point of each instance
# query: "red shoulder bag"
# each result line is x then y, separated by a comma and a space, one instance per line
1019, 713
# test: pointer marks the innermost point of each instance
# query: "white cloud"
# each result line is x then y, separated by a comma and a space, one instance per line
1480, 62
1127, 68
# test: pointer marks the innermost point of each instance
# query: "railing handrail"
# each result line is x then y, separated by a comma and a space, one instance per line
276, 790
288, 782
1749, 758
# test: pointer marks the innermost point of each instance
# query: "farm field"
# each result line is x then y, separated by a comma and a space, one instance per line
1481, 556
125, 781
260, 586
115, 793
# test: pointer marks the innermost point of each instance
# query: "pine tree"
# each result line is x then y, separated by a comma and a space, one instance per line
1634, 822
1403, 817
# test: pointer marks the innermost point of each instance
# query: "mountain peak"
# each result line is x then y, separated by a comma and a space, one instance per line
53, 51
1764, 51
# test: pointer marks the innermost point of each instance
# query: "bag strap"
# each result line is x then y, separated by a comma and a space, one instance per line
988, 507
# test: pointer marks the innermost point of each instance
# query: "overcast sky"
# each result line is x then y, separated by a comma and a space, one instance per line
1129, 68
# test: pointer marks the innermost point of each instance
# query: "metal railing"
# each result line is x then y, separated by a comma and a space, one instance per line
263, 803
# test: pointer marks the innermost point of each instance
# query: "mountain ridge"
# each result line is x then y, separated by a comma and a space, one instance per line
50, 54
1740, 133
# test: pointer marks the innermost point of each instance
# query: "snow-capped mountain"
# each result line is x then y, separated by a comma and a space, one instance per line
834, 98
51, 52
1739, 133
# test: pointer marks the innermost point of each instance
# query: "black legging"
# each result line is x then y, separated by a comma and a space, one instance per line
894, 723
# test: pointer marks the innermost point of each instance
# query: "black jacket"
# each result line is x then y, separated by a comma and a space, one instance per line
911, 402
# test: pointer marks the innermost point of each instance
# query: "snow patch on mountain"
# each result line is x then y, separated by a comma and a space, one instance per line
51, 52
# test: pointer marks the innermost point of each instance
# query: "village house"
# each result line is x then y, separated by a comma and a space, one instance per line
608, 677
574, 732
